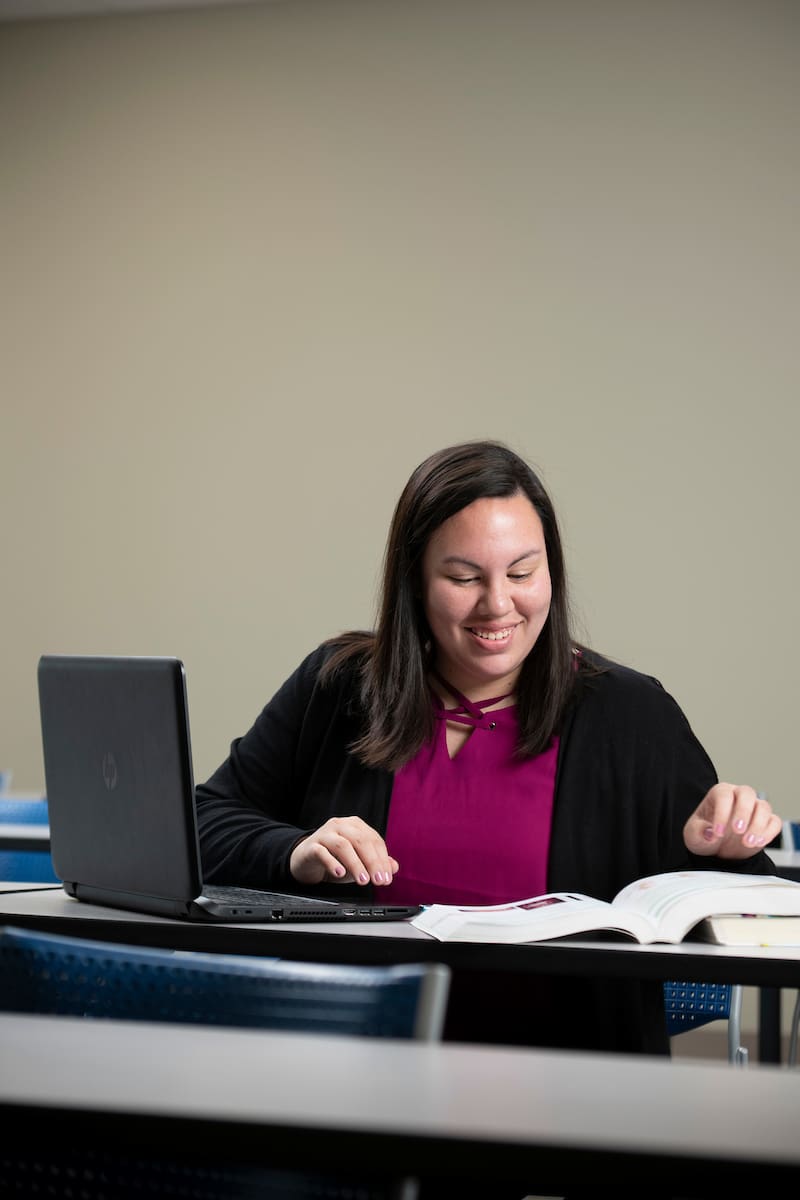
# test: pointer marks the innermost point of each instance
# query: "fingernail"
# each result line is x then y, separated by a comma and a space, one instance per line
363, 877
738, 825
719, 830
750, 840
708, 834
338, 870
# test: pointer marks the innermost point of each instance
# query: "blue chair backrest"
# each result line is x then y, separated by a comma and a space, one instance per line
66, 976
689, 1005
25, 866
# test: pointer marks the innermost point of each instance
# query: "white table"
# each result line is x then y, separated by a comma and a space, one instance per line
551, 1118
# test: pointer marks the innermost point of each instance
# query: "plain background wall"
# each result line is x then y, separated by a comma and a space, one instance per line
258, 262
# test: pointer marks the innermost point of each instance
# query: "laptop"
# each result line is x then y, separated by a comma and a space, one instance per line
120, 797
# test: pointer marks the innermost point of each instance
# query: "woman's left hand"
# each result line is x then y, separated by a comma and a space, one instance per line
732, 821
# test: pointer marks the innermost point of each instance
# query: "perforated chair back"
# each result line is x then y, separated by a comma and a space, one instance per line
690, 1005
25, 866
66, 976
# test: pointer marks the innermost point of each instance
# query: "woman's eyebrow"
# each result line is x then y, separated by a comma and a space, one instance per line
457, 560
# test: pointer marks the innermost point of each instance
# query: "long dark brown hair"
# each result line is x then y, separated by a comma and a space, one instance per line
398, 656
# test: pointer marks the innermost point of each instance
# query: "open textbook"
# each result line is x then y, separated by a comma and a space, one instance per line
658, 908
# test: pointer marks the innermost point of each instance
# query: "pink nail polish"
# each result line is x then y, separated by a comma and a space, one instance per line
363, 877
708, 834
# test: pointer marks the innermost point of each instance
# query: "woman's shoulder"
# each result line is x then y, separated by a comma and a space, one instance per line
338, 659
619, 704
609, 679
329, 674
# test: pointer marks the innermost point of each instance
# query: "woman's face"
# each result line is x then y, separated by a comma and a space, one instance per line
486, 593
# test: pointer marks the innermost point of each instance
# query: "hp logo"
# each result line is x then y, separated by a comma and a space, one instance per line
110, 774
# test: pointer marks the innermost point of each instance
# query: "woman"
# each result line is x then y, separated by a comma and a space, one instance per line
470, 751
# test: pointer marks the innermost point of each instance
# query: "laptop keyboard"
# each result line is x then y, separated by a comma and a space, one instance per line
239, 896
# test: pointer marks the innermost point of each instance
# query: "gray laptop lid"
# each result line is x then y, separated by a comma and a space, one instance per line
118, 775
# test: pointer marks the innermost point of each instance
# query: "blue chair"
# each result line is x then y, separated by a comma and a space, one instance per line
25, 866
65, 976
69, 976
790, 835
690, 1005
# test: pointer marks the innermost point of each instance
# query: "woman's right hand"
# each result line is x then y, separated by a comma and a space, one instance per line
343, 850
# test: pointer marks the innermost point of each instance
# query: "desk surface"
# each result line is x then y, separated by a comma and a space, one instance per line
787, 862
13, 885
423, 1105
51, 909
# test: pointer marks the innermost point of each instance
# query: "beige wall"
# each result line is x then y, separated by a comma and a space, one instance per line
258, 262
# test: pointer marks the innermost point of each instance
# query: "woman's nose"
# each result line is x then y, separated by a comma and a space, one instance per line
497, 598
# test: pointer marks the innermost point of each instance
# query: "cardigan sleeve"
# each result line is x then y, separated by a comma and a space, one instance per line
248, 811
285, 777
631, 772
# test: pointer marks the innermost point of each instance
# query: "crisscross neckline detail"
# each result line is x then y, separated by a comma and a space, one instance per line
468, 712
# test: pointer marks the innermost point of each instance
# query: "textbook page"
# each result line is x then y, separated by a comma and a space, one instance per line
676, 901
537, 919
657, 908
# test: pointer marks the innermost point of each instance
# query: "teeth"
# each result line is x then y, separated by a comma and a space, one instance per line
488, 636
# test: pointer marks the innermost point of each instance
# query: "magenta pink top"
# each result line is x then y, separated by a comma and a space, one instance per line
474, 829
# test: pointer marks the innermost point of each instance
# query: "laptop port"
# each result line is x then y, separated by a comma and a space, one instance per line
277, 914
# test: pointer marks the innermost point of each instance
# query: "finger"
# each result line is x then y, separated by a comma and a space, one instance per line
716, 810
311, 862
325, 855
341, 852
354, 851
758, 824
710, 828
751, 826
371, 849
377, 861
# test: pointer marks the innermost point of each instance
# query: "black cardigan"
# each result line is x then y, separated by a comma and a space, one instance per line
630, 771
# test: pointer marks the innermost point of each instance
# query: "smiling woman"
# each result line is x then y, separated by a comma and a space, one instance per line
470, 750
486, 592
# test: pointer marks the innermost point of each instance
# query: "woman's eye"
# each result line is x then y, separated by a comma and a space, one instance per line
462, 578
520, 576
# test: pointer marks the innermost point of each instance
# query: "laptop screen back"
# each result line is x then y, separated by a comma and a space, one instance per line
118, 774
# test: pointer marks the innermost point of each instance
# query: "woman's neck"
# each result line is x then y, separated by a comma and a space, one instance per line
452, 688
